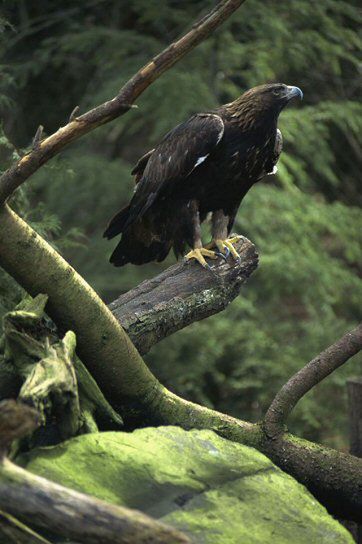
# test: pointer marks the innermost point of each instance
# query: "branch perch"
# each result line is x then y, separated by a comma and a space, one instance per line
334, 478
180, 295
313, 373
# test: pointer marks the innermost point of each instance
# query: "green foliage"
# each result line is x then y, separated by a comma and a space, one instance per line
304, 295
305, 221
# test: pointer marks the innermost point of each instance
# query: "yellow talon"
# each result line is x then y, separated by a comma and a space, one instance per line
199, 254
226, 246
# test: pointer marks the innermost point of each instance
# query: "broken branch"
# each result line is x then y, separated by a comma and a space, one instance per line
180, 295
133, 390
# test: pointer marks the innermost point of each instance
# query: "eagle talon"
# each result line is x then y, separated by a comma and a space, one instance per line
199, 254
226, 248
222, 255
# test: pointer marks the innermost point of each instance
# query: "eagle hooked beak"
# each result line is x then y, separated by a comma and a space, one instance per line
293, 92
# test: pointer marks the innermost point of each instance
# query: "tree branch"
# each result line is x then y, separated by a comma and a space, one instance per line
303, 381
77, 127
64, 512
133, 390
180, 295
13, 531
354, 390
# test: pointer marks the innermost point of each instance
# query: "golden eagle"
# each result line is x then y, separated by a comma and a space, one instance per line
206, 164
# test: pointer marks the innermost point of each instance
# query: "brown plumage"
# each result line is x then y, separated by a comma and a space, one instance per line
206, 164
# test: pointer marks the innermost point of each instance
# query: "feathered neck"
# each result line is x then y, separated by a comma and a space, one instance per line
251, 114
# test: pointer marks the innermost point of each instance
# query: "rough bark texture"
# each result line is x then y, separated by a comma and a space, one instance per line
354, 389
113, 360
77, 127
180, 295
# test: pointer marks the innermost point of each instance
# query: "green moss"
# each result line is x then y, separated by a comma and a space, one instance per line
213, 489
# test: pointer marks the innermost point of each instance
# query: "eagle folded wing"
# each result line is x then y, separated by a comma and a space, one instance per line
182, 150
278, 147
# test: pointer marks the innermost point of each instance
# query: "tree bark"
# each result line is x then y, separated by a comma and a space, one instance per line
310, 375
180, 295
354, 389
69, 514
110, 355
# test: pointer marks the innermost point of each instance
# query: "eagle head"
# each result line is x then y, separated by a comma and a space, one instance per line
273, 95
263, 101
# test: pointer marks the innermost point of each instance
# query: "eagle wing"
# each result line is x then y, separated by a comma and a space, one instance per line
181, 151
141, 165
278, 147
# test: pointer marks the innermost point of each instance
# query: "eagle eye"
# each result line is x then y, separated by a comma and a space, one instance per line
276, 92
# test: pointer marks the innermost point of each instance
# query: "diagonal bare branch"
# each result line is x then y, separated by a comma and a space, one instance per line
313, 373
120, 104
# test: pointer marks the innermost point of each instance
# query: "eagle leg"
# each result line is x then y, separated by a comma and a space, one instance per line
220, 224
198, 252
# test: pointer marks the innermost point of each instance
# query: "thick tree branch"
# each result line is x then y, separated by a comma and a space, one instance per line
180, 295
102, 344
64, 512
132, 389
313, 373
44, 150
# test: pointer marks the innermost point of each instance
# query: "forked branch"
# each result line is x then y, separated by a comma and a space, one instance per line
313, 373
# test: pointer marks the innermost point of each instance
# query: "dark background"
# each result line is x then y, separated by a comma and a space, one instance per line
305, 221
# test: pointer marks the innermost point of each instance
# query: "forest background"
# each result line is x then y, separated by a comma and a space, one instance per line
306, 221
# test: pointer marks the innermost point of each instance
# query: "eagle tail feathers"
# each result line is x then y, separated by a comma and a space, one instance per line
132, 249
117, 223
